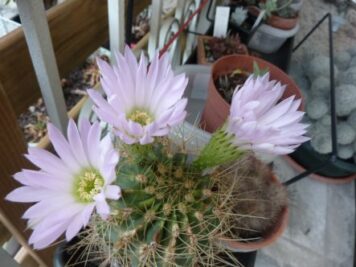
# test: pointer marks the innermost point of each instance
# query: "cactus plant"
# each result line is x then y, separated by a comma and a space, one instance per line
171, 214
141, 200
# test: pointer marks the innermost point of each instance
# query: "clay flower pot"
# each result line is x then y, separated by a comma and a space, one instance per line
276, 21
268, 238
217, 109
202, 57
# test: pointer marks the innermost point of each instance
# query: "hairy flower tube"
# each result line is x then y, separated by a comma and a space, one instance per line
257, 122
142, 103
67, 187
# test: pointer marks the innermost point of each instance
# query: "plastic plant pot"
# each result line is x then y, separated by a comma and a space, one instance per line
268, 39
296, 5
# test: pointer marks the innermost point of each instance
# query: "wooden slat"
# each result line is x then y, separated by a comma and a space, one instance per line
12, 148
78, 27
24, 258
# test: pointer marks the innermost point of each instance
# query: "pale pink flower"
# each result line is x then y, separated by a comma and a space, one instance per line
67, 188
260, 123
141, 103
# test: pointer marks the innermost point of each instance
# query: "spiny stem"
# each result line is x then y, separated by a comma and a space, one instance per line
220, 150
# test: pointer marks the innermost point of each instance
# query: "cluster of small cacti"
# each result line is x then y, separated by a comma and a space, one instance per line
314, 82
171, 214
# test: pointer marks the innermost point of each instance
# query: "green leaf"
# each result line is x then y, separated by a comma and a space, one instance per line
257, 71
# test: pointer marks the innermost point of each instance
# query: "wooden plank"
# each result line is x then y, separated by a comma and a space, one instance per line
78, 27
38, 39
12, 148
24, 258
155, 27
116, 10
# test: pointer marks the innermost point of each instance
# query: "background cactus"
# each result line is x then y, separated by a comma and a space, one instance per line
314, 82
172, 214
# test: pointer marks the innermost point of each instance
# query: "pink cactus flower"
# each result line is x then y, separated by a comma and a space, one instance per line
141, 103
260, 123
67, 187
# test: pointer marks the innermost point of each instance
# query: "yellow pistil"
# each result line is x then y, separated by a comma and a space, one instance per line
141, 117
87, 184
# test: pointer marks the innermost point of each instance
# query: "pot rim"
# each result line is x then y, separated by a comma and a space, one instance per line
274, 68
324, 179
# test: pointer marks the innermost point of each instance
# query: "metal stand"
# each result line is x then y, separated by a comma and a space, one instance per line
333, 157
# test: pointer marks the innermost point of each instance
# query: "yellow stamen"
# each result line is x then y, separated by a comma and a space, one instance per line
87, 184
141, 117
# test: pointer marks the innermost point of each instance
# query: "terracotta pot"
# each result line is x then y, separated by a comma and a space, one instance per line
202, 58
268, 238
276, 21
320, 178
217, 109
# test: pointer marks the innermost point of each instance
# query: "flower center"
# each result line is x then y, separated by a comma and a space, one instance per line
88, 184
141, 117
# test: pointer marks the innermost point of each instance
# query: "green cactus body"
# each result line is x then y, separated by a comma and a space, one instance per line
172, 212
166, 214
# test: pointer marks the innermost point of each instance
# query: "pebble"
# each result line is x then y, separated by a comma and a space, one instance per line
322, 143
345, 133
345, 99
342, 60
345, 152
316, 108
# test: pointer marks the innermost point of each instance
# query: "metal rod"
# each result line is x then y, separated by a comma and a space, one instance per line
208, 12
334, 153
305, 174
309, 33
332, 90
129, 18
184, 26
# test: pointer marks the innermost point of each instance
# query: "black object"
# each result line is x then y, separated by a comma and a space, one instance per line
129, 17
16, 18
310, 159
244, 30
247, 259
64, 257
281, 58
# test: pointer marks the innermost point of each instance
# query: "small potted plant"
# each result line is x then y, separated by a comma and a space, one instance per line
281, 23
135, 198
277, 13
212, 48
231, 72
